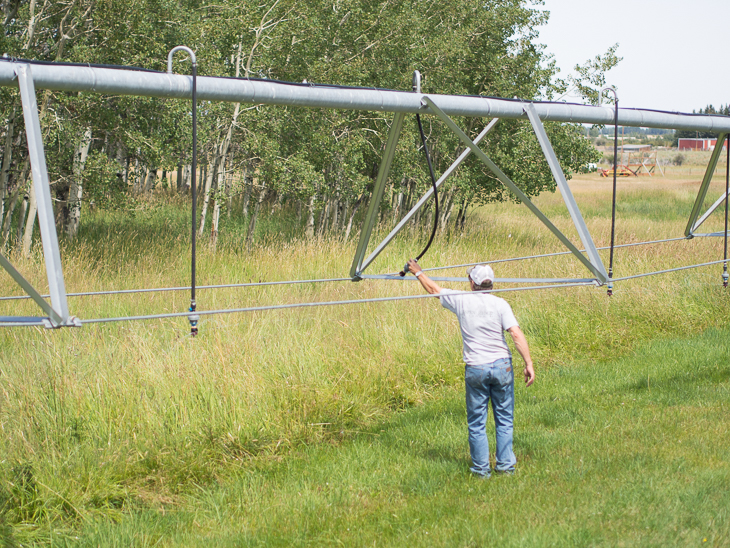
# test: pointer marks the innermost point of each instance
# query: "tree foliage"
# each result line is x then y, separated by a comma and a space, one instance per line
324, 159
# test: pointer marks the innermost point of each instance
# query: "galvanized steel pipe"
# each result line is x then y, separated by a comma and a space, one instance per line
159, 84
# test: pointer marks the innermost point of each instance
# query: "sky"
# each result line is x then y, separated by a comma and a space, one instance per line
675, 53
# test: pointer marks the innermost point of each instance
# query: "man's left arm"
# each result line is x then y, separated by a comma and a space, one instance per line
427, 283
521, 345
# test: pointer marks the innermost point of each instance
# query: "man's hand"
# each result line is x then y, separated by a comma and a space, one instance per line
529, 374
413, 266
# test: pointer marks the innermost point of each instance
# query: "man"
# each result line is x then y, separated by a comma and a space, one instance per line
483, 318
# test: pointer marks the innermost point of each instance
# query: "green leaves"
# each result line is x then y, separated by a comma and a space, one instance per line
466, 47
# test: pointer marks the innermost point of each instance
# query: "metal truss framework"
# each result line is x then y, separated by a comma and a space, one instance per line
101, 80
592, 261
58, 313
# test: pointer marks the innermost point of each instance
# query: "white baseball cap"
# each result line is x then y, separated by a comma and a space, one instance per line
481, 274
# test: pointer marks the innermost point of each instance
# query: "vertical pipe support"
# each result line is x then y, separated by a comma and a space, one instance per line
702, 193
376, 198
46, 219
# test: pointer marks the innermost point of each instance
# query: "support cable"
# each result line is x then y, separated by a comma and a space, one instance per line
665, 271
615, 168
379, 299
323, 303
193, 318
556, 254
318, 280
184, 288
727, 190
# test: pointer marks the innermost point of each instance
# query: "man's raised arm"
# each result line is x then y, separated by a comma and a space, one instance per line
427, 283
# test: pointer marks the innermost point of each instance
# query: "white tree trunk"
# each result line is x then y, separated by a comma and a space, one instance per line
208, 185
357, 205
256, 211
150, 180
21, 219
9, 217
246, 195
309, 231
19, 191
7, 159
75, 190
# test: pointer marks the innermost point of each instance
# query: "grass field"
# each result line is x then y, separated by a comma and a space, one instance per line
345, 425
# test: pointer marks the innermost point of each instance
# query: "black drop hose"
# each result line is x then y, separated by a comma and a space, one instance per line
193, 318
435, 195
194, 191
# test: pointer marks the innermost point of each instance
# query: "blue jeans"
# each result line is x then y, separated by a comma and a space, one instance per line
493, 381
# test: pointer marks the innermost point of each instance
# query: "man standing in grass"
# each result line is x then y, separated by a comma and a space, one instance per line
483, 318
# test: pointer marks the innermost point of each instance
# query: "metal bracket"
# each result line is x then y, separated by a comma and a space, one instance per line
58, 314
693, 223
599, 273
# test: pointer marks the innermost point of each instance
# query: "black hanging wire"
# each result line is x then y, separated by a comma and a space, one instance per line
435, 189
727, 190
609, 292
435, 196
417, 89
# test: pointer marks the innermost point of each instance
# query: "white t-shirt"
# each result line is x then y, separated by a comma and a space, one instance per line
483, 319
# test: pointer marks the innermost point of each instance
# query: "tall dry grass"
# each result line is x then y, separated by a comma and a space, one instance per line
111, 415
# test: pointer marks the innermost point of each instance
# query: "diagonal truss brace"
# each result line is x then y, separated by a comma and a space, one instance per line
597, 270
53, 318
58, 314
573, 209
425, 198
374, 205
693, 223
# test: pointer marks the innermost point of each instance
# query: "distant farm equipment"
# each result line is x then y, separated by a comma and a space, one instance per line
635, 160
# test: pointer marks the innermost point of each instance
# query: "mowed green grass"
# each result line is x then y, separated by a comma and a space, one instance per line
628, 452
291, 427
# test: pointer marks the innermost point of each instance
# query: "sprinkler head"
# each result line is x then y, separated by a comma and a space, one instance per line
193, 319
609, 292
405, 271
724, 279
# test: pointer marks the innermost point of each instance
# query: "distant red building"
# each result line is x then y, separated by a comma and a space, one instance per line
697, 144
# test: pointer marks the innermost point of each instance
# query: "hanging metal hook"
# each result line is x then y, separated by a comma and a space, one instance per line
416, 81
190, 52
607, 88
